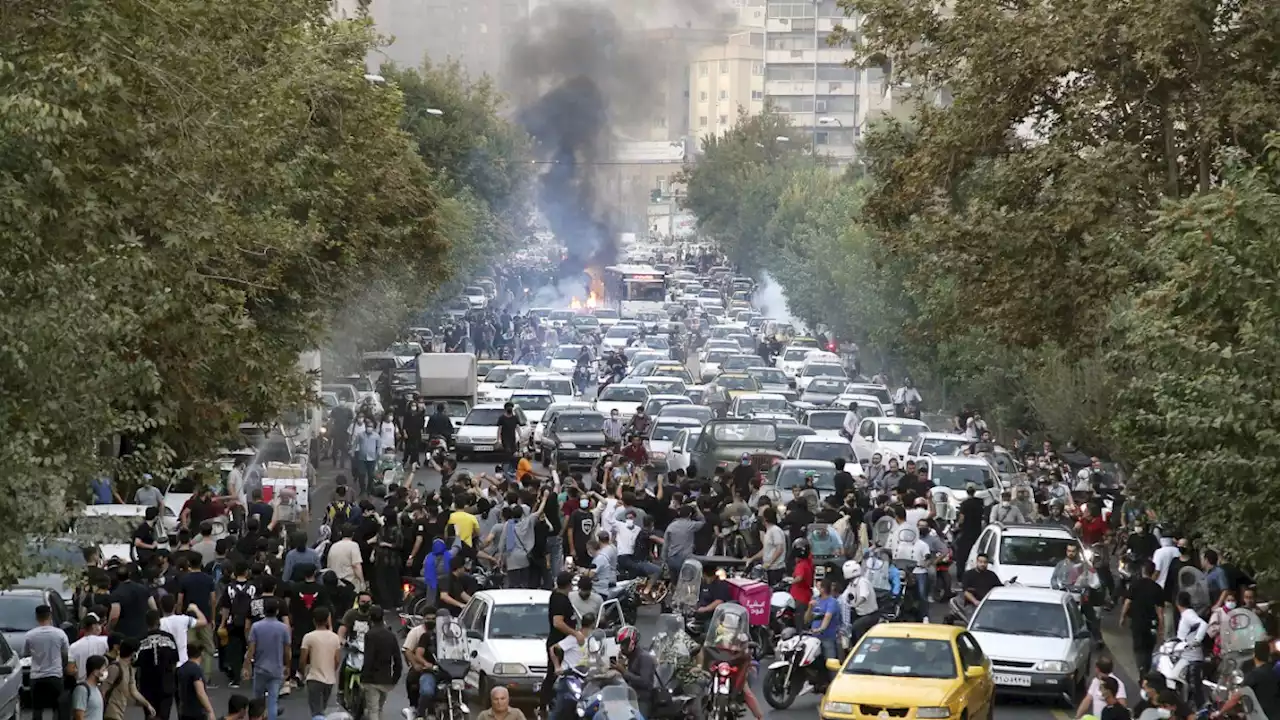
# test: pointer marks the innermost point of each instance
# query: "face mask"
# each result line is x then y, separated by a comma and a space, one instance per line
1004, 503
1139, 529
1230, 605
102, 675
631, 524
364, 606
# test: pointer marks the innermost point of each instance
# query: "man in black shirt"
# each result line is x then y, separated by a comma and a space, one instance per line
129, 604
712, 594
744, 476
581, 530
508, 431
156, 660
1262, 680
562, 624
975, 584
843, 481
454, 593
1144, 608
972, 515
144, 537
415, 421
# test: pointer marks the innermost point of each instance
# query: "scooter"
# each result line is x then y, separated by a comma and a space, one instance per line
797, 663
1165, 661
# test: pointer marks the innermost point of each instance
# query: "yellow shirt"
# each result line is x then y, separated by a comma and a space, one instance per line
524, 467
466, 525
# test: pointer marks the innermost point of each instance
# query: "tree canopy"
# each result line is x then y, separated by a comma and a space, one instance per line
191, 194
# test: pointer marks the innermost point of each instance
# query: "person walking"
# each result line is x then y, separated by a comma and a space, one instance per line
383, 664
157, 661
48, 649
270, 650
121, 685
193, 696
86, 698
321, 651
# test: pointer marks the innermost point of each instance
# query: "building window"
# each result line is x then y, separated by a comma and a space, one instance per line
702, 69
659, 122
757, 67
724, 119
820, 138
757, 39
724, 94
724, 66
702, 121
757, 95
702, 96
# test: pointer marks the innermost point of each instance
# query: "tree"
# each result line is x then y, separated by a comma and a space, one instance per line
1201, 349
188, 194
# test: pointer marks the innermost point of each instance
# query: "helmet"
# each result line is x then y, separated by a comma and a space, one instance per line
852, 570
800, 548
628, 639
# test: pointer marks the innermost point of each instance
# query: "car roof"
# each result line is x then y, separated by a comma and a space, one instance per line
831, 411
114, 510
918, 631
669, 396
763, 367
806, 439
535, 391
683, 420
959, 460
1037, 530
943, 436
1022, 593
575, 405
760, 396
805, 464
898, 421
732, 375
481, 406
24, 590
515, 597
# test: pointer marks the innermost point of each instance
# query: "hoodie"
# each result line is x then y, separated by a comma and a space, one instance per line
431, 569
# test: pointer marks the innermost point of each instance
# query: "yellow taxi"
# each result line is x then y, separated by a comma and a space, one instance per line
904, 671
805, 342
732, 384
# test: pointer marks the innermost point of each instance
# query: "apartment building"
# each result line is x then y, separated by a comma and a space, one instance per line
475, 32
809, 81
724, 79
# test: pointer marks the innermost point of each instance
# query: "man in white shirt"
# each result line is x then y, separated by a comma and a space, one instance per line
179, 625
1163, 559
92, 643
851, 421
858, 599
907, 394
1092, 702
1191, 630
919, 512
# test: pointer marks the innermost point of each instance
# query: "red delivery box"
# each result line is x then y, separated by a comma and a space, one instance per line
752, 595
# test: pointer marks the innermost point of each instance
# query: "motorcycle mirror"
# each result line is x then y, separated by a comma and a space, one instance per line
833, 665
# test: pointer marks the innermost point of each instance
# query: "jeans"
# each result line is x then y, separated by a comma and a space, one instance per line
375, 696
233, 653
318, 695
555, 551
629, 563
922, 591
426, 693
268, 686
831, 648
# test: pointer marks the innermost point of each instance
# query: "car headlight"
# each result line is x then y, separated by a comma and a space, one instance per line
838, 708
568, 446
510, 669
659, 456
933, 712
1053, 666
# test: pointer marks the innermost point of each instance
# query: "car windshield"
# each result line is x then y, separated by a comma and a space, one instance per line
344, 393
472, 290
824, 371
588, 320
666, 431
739, 362
1012, 617
533, 402
666, 386
874, 391
826, 420
795, 354
657, 343
825, 451
825, 387
745, 433
499, 374
903, 657
1034, 551
893, 432
697, 412
557, 386
18, 612
483, 416
452, 408
516, 381
568, 352
107, 527
789, 477
562, 315
738, 382
717, 356
750, 405
624, 393
519, 622
768, 375
957, 477
580, 422
620, 332
940, 446
605, 314
654, 406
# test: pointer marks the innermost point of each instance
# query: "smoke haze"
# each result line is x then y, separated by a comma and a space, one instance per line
772, 300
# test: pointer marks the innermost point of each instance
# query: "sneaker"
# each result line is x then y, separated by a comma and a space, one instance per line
234, 684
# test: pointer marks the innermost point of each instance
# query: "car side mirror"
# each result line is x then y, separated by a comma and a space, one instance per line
833, 665
1084, 634
975, 672
474, 635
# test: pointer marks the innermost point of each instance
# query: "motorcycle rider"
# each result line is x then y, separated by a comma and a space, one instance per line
439, 425
975, 584
638, 667
1072, 572
904, 396
731, 641
639, 423
823, 623
858, 600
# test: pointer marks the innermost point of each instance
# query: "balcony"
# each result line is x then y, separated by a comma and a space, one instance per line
830, 56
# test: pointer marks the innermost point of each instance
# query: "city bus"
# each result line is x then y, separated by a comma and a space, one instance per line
634, 289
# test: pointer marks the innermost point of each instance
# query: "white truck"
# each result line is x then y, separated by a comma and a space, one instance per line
449, 378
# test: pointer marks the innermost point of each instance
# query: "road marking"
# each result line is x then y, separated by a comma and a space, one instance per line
1060, 714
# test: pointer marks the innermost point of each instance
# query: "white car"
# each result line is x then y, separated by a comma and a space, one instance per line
817, 447
891, 437
709, 364
751, 404
550, 414
479, 432
623, 397
558, 385
663, 384
112, 527
476, 296
879, 392
662, 434
1027, 553
504, 390
533, 402
681, 453
936, 443
559, 319
657, 402
957, 472
829, 424
608, 317
1037, 640
617, 337
791, 359
507, 639
868, 405
812, 370
495, 377
565, 358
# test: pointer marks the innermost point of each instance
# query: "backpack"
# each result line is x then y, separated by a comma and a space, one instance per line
66, 701
241, 595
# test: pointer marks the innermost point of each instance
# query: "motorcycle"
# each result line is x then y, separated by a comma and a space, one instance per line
577, 686
671, 648
351, 690
727, 649
797, 663
451, 666
613, 702
1166, 661
1081, 581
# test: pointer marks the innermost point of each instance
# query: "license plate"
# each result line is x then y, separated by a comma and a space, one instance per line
1011, 680
484, 448
590, 454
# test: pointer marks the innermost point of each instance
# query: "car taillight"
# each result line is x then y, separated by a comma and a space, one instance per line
407, 588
